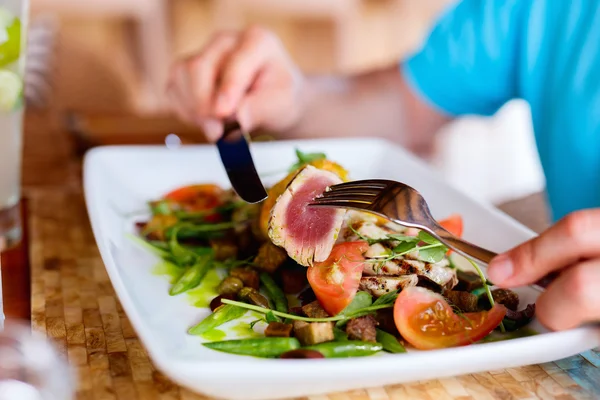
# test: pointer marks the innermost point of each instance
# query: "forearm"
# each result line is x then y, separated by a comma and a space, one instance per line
377, 103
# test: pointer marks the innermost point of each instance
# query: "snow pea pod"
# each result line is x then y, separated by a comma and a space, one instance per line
192, 276
221, 315
260, 347
350, 348
389, 342
274, 292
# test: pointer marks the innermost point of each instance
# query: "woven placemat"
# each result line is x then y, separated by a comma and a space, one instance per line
74, 303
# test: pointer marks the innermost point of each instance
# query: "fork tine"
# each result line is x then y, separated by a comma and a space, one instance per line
351, 193
370, 183
335, 196
357, 205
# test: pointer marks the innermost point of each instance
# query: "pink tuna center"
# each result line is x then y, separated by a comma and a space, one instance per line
310, 225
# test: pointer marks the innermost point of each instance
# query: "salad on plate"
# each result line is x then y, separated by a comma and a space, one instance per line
292, 281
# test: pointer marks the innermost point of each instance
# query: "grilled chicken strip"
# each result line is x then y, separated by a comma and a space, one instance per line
380, 285
439, 273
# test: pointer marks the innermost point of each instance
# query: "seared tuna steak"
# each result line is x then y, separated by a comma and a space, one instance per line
306, 233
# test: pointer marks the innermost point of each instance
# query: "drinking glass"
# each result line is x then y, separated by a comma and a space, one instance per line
31, 368
13, 28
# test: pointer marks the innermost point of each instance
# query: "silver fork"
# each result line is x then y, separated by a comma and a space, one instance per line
398, 203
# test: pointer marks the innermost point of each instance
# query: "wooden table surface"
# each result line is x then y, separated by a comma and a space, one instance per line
73, 302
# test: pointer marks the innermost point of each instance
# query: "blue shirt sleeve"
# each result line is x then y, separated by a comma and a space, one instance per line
468, 64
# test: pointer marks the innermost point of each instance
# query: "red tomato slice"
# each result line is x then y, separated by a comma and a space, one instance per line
198, 198
453, 224
335, 281
426, 321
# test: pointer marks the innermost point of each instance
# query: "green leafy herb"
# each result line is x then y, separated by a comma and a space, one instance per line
161, 207
388, 298
427, 238
433, 253
361, 300
305, 158
270, 317
402, 238
405, 247
339, 335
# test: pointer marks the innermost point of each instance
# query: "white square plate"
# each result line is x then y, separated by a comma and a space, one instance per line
120, 180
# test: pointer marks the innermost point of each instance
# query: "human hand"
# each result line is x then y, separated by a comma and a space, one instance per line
570, 248
247, 74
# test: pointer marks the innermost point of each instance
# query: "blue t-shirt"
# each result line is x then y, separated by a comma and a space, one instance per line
483, 53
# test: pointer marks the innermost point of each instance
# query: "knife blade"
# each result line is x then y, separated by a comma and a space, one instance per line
234, 149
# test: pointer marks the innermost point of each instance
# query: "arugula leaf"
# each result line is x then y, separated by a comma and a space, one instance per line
402, 238
432, 254
388, 298
361, 300
305, 158
339, 335
427, 238
404, 247
270, 317
308, 157
161, 207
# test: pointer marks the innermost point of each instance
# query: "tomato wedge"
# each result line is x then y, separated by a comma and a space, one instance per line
426, 320
453, 224
335, 281
195, 198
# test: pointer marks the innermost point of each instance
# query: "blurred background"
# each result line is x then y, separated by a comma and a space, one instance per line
99, 69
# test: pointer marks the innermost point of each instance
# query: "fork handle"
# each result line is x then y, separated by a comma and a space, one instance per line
463, 247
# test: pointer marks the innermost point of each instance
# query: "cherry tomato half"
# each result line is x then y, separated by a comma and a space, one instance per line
335, 281
426, 320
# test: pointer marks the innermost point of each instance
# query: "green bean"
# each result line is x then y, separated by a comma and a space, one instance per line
389, 342
221, 315
274, 292
339, 335
350, 348
260, 347
153, 246
192, 276
182, 255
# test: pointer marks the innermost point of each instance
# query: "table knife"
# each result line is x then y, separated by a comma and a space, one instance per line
234, 148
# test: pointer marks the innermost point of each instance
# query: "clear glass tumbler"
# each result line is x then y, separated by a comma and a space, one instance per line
13, 28
31, 368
